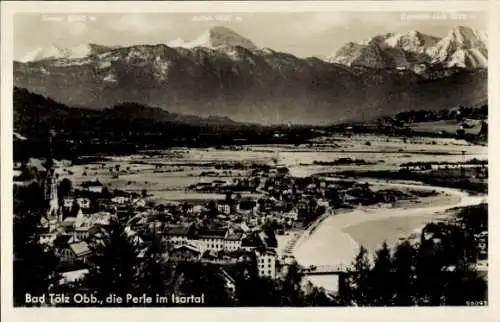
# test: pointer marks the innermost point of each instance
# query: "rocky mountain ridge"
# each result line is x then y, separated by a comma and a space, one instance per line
463, 47
226, 75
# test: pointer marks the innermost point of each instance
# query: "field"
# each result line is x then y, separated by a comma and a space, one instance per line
167, 174
449, 126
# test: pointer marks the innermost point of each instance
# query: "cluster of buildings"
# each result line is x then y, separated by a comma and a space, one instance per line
218, 233
221, 232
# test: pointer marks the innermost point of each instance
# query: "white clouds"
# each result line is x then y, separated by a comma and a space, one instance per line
140, 23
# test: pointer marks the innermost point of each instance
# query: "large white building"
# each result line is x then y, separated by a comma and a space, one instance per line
205, 239
266, 262
179, 235
210, 240
232, 240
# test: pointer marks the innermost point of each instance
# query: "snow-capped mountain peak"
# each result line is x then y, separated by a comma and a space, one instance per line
413, 41
377, 40
178, 42
463, 47
41, 53
55, 52
213, 38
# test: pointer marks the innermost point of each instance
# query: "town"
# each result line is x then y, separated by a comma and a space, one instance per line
217, 233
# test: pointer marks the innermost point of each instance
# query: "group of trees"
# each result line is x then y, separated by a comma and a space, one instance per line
460, 113
34, 265
129, 127
437, 271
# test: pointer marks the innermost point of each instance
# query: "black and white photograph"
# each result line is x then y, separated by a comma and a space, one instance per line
249, 159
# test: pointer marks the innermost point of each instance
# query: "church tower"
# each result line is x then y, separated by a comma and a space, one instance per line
50, 184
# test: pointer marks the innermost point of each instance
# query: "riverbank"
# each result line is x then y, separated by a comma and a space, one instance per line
337, 239
288, 242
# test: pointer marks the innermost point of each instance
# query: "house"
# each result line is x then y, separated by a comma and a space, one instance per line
224, 208
266, 262
139, 203
120, 200
185, 252
74, 253
323, 203
251, 242
482, 244
232, 241
83, 203
196, 209
47, 236
93, 186
210, 239
73, 276
291, 216
99, 218
209, 255
81, 232
178, 234
302, 206
67, 225
68, 202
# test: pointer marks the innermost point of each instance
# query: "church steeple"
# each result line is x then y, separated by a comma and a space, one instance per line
50, 182
49, 162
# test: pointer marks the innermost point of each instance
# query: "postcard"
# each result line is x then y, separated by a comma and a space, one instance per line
258, 157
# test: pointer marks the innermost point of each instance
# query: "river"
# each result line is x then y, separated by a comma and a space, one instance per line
332, 242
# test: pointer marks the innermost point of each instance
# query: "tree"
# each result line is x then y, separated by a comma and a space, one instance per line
212, 209
360, 282
464, 285
246, 277
318, 297
155, 274
430, 263
199, 278
404, 274
114, 264
34, 265
144, 193
27, 173
291, 289
381, 277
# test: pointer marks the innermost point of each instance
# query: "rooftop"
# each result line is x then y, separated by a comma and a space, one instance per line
177, 230
234, 236
80, 249
212, 233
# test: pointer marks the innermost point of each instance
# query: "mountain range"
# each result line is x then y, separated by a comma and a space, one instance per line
462, 47
221, 73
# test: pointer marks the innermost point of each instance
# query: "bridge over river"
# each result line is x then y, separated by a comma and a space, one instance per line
324, 270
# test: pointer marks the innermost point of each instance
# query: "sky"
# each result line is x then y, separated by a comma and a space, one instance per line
301, 34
